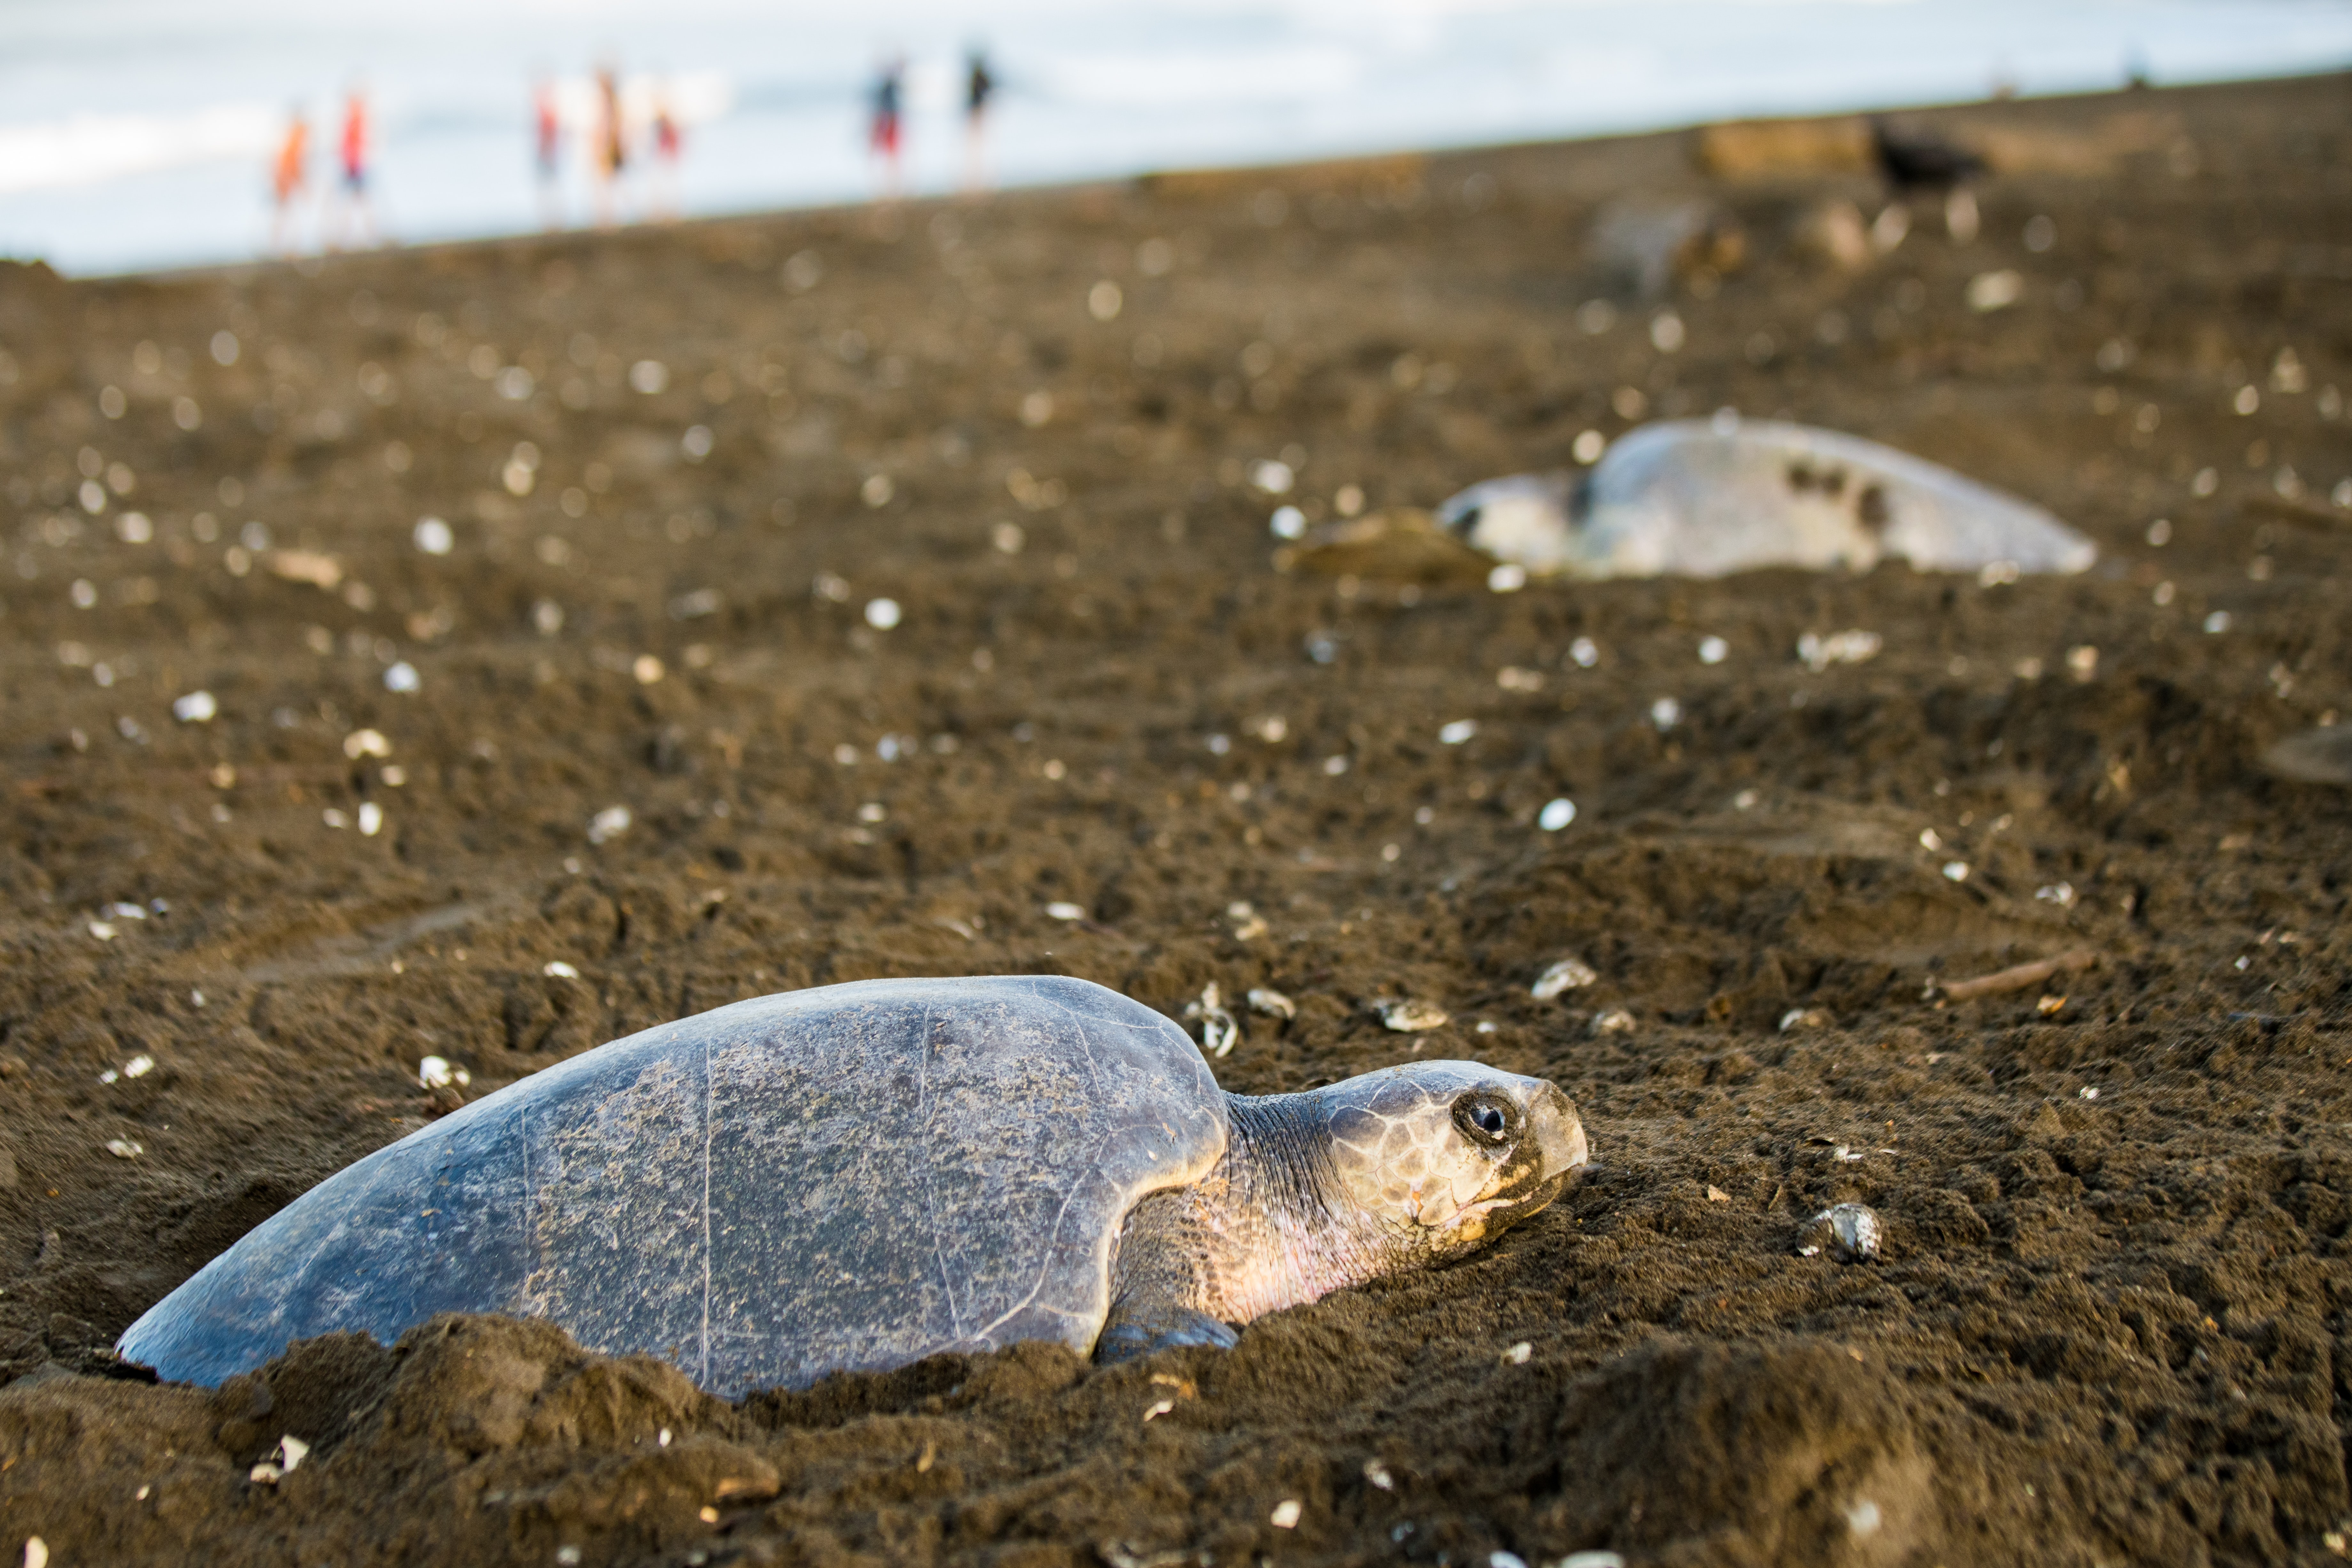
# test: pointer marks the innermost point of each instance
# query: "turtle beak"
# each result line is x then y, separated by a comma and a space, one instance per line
1556, 1134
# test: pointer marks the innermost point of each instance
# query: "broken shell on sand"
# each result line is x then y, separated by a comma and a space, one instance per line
1409, 1017
1271, 1003
1851, 1232
1568, 974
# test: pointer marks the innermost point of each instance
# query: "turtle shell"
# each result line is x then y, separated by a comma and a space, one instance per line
850, 1177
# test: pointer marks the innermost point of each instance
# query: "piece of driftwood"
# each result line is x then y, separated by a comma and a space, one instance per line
2017, 978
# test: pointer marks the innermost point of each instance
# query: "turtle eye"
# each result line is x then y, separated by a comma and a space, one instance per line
1487, 1120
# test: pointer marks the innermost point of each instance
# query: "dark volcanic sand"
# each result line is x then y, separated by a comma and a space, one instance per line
2105, 1329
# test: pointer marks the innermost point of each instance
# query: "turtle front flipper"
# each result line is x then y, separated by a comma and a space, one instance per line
1138, 1328
1160, 1278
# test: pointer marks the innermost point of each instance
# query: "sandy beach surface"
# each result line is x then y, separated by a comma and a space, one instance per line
292, 802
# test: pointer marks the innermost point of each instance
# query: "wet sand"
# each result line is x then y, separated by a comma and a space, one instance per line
676, 466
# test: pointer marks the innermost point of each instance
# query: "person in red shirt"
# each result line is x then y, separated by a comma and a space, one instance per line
889, 110
548, 122
359, 217
668, 143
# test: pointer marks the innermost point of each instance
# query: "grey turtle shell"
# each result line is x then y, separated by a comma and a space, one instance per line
850, 1177
1701, 499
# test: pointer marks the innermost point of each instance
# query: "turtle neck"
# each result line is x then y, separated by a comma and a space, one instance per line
1274, 1238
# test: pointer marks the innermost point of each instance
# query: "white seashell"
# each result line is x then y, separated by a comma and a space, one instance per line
1851, 1232
1568, 974
1272, 1003
435, 1072
1411, 1017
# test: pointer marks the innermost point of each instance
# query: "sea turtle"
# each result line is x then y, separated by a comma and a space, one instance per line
856, 1176
1703, 497
2323, 755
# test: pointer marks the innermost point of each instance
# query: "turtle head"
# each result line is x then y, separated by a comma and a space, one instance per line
1440, 1158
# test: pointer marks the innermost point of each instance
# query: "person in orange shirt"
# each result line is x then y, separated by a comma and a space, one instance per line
287, 179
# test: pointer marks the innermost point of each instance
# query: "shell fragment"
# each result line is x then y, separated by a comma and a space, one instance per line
1568, 974
1408, 1017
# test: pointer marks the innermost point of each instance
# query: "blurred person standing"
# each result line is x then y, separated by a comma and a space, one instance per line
287, 177
669, 144
612, 146
547, 125
357, 220
889, 121
979, 87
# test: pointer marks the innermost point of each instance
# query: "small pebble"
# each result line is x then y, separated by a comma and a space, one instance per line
365, 743
882, 614
557, 969
402, 677
1508, 578
1063, 910
1459, 731
1518, 1354
1616, 1021
1568, 974
1556, 814
36, 1552
195, 708
1285, 1514
433, 537
1506, 1559
123, 1149
142, 1064
609, 824
1590, 1560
